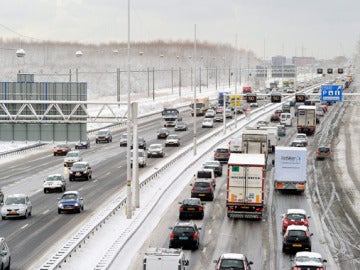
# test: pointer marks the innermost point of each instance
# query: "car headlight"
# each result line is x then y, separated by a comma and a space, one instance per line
71, 172
76, 204
60, 205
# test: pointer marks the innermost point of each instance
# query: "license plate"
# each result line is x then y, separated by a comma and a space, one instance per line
201, 195
68, 207
13, 213
191, 209
183, 238
297, 245
78, 174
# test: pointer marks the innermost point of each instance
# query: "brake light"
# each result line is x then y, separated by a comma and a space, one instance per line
193, 188
181, 208
317, 152
195, 236
259, 209
172, 235
228, 153
286, 222
201, 208
216, 153
210, 188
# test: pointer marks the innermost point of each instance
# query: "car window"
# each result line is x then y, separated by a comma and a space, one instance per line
15, 200
79, 165
201, 184
297, 233
69, 197
296, 216
324, 149
184, 229
191, 202
222, 150
204, 174
231, 263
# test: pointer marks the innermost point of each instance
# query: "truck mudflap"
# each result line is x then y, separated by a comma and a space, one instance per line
290, 186
245, 211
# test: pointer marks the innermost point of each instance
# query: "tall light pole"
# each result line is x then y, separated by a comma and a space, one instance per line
129, 114
195, 103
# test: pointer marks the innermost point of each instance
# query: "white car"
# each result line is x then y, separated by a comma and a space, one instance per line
72, 157
54, 182
228, 113
210, 113
142, 158
302, 137
309, 260
17, 205
208, 123
172, 140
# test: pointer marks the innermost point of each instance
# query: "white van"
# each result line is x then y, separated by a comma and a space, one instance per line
235, 145
164, 259
286, 119
206, 174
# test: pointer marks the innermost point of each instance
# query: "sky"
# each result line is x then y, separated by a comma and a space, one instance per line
320, 28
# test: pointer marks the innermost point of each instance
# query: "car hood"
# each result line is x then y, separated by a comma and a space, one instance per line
78, 169
69, 202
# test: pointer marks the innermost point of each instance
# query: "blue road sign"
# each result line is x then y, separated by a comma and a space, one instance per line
331, 93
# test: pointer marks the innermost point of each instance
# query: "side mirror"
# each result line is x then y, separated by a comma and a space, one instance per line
311, 234
215, 261
186, 262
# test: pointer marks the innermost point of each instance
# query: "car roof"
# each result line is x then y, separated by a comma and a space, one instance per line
155, 145
308, 254
17, 195
297, 228
184, 223
296, 211
237, 256
54, 174
81, 162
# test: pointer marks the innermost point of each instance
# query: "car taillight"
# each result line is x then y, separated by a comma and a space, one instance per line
201, 208
317, 152
210, 188
216, 153
228, 153
181, 208
286, 222
193, 188
306, 223
172, 235
195, 235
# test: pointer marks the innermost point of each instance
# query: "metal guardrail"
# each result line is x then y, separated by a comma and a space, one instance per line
81, 237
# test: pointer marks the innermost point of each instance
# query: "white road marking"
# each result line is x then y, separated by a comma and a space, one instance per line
23, 227
46, 211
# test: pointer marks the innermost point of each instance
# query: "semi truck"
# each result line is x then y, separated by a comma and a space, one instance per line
202, 105
164, 259
245, 186
272, 137
170, 116
290, 168
255, 141
306, 119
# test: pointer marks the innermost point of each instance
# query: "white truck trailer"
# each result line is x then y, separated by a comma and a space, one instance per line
164, 259
306, 119
290, 168
255, 141
245, 186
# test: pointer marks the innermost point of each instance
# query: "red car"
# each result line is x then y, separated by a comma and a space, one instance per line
61, 150
295, 217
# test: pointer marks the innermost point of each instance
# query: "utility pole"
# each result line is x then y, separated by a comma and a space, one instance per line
195, 106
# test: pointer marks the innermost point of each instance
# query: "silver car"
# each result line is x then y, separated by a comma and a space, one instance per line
5, 256
172, 140
72, 157
17, 205
54, 182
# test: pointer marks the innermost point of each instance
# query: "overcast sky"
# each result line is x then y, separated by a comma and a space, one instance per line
319, 28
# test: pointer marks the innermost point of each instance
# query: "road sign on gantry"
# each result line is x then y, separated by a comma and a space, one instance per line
331, 93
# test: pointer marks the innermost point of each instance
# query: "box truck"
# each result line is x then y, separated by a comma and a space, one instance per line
245, 186
306, 119
255, 141
290, 168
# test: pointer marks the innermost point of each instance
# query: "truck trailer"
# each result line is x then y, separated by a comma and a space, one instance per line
306, 119
202, 105
255, 141
245, 186
290, 168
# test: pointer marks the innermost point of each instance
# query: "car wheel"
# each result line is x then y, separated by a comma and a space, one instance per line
71, 179
64, 189
59, 211
26, 215
45, 190
283, 249
3, 218
97, 141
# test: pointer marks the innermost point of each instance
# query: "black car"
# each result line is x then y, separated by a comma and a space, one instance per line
191, 208
185, 235
141, 143
214, 165
83, 144
202, 189
80, 170
296, 238
181, 126
163, 133
222, 155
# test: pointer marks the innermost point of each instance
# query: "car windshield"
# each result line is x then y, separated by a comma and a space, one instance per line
68, 197
163, 131
204, 174
62, 146
54, 178
222, 150
79, 166
15, 200
296, 216
102, 132
211, 164
180, 123
231, 264
324, 149
124, 136
154, 147
207, 120
72, 154
171, 137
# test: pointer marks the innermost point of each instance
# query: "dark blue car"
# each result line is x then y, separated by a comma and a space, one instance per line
71, 201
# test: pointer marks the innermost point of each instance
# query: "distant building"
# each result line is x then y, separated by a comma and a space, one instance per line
303, 61
278, 61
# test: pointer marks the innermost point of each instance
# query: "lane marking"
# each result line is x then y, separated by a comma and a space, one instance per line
23, 227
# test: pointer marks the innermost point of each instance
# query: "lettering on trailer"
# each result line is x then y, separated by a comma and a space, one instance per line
291, 159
